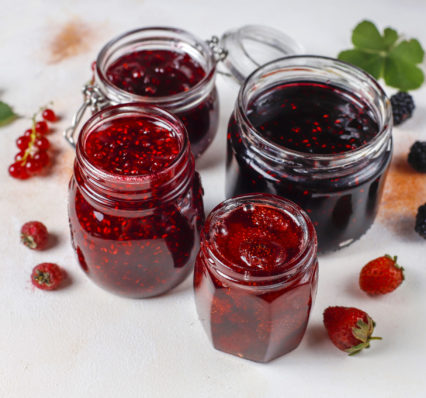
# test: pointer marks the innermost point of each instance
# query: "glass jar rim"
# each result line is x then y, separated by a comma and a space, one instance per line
201, 46
134, 108
281, 272
348, 156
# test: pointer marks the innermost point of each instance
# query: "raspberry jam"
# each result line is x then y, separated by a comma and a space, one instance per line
255, 276
157, 73
168, 68
316, 131
135, 201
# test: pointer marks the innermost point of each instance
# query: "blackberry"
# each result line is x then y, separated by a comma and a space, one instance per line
402, 107
420, 227
417, 156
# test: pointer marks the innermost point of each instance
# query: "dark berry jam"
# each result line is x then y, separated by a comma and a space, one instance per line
135, 205
164, 73
255, 276
325, 125
312, 118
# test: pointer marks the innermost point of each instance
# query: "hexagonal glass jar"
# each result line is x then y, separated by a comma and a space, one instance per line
257, 309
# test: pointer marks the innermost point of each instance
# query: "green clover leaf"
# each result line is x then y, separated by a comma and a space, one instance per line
6, 114
386, 56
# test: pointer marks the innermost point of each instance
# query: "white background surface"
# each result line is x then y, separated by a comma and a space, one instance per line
82, 341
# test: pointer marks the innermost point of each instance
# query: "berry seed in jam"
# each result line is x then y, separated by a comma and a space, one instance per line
255, 276
135, 201
155, 73
312, 117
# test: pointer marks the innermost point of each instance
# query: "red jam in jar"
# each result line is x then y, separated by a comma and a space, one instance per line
165, 67
256, 275
317, 131
135, 201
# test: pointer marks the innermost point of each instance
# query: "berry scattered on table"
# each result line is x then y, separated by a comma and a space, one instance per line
402, 107
417, 156
350, 329
34, 235
33, 156
420, 227
47, 276
381, 275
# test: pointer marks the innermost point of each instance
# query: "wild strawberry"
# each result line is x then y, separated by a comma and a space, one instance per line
34, 235
381, 275
349, 328
47, 276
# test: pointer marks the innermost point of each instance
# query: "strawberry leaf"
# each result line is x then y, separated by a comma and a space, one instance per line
6, 114
390, 36
366, 36
402, 74
386, 56
372, 63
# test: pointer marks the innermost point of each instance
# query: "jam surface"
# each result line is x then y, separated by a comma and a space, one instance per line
258, 237
132, 146
258, 312
155, 73
162, 73
312, 118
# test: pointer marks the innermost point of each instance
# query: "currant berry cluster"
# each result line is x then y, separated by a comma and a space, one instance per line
33, 147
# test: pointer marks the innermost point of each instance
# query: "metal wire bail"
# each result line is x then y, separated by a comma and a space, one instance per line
94, 99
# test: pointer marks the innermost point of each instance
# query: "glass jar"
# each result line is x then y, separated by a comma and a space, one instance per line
172, 69
340, 191
256, 275
135, 201
165, 67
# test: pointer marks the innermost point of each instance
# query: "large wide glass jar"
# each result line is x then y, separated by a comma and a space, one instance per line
135, 201
317, 131
255, 276
161, 66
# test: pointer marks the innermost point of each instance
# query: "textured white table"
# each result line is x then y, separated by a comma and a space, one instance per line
82, 341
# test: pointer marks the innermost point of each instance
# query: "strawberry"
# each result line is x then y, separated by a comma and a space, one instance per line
381, 275
47, 276
349, 328
34, 235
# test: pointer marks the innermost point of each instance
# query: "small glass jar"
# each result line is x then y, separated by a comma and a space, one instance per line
136, 234
339, 191
256, 275
196, 105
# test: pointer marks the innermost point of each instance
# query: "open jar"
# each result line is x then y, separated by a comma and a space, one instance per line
256, 275
135, 201
317, 131
174, 70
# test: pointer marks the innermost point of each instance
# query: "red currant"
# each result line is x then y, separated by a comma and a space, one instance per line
41, 127
16, 170
32, 166
19, 156
42, 143
49, 115
22, 142
28, 133
42, 158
